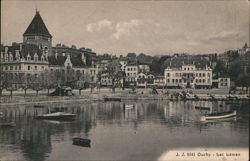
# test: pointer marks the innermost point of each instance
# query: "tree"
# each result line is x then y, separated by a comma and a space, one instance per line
220, 68
25, 83
50, 80
3, 82
80, 84
38, 83
115, 73
11, 83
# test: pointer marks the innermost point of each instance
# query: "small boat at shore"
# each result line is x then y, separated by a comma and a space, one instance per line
57, 116
221, 115
202, 108
38, 106
81, 141
7, 124
129, 106
112, 99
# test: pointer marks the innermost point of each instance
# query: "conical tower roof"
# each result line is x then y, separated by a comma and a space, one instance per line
37, 27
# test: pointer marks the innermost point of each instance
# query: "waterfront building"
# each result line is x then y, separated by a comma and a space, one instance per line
222, 83
188, 76
159, 81
131, 71
145, 79
35, 55
29, 57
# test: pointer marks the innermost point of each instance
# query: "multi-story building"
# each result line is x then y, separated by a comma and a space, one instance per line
159, 81
131, 72
31, 56
35, 55
145, 79
188, 76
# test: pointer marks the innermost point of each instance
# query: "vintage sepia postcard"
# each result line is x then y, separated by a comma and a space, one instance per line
123, 80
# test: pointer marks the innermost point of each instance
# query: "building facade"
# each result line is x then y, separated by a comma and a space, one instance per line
188, 76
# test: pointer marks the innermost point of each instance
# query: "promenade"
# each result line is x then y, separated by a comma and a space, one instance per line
98, 95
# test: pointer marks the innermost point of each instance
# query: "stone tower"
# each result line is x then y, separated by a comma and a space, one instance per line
38, 34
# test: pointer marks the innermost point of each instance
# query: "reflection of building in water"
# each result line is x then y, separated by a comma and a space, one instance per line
130, 113
34, 141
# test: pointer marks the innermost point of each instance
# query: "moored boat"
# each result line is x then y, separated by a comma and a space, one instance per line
129, 106
57, 116
112, 99
38, 106
202, 108
81, 141
221, 115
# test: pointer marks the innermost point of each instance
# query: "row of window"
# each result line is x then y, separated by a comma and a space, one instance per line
28, 58
57, 70
130, 79
150, 76
196, 74
180, 80
187, 68
223, 84
15, 67
35, 67
132, 69
131, 74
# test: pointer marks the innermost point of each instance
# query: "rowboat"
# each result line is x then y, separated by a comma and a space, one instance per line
38, 106
112, 99
129, 106
57, 116
202, 108
215, 116
81, 141
8, 124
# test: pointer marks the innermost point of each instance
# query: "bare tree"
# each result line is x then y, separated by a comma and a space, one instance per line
115, 73
11, 83
80, 84
38, 83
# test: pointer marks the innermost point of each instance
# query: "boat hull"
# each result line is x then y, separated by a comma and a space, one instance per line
216, 117
202, 108
81, 142
112, 99
57, 116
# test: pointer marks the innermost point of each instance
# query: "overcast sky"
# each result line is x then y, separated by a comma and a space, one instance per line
119, 27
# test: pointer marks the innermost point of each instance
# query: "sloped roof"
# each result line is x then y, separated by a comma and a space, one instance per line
60, 60
37, 27
26, 49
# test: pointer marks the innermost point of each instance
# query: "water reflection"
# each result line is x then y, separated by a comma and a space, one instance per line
34, 139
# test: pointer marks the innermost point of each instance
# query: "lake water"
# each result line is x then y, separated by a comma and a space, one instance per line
142, 132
